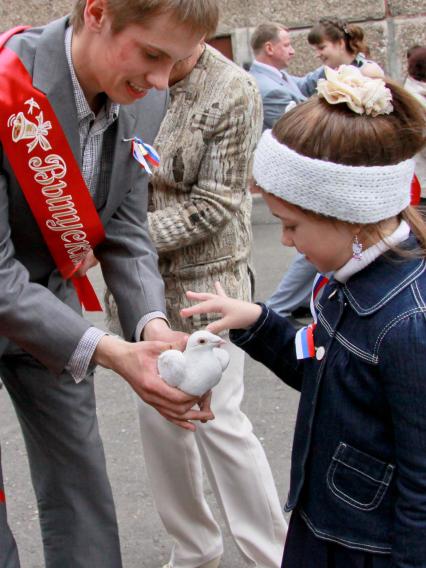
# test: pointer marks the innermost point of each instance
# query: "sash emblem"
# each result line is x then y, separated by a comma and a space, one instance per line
25, 129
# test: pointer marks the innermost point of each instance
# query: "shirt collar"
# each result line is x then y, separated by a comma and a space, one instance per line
83, 108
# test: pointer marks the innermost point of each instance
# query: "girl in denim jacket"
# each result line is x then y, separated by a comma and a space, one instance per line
337, 172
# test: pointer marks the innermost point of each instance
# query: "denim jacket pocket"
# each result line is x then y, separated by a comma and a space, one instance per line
358, 479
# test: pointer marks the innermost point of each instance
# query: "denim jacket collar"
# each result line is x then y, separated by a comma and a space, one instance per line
367, 291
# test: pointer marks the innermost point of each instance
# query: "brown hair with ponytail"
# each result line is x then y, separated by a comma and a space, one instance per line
334, 133
334, 30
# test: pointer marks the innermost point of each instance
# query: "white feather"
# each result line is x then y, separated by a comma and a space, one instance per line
171, 367
199, 368
223, 357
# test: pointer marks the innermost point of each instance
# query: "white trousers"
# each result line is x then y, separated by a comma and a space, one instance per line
239, 475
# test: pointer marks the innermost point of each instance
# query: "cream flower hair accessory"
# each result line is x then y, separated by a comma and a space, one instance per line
362, 94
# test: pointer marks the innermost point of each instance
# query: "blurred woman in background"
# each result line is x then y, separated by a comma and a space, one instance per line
337, 42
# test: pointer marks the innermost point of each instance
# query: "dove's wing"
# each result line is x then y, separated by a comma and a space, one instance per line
223, 357
171, 367
203, 372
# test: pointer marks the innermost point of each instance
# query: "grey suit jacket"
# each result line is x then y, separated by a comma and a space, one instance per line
277, 92
39, 311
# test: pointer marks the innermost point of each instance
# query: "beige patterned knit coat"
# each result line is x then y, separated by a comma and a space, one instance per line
200, 206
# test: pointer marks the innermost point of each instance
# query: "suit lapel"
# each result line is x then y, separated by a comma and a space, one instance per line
52, 77
140, 119
121, 174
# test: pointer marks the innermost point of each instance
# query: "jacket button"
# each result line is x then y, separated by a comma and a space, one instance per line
320, 352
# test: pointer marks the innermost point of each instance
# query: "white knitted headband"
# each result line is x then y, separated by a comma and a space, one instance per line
357, 194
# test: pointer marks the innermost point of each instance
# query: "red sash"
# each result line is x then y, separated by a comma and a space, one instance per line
47, 171
416, 191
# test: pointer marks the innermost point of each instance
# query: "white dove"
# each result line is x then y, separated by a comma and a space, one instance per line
199, 368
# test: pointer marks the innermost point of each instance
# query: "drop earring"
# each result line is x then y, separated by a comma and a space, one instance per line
356, 248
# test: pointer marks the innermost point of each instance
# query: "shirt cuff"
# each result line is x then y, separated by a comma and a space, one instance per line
79, 362
144, 320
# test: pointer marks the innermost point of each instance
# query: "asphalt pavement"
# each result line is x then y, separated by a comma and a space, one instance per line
270, 405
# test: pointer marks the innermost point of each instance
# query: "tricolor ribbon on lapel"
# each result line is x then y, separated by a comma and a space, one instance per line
304, 340
144, 154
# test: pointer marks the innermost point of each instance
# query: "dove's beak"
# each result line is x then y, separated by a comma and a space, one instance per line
220, 342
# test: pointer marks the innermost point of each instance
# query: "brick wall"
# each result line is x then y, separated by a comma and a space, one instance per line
391, 26
31, 12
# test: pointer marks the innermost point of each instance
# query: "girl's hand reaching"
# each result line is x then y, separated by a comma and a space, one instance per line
236, 314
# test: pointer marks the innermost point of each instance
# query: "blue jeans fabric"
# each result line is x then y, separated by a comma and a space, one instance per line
305, 550
358, 473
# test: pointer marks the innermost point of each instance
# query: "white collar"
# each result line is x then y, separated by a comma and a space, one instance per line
353, 266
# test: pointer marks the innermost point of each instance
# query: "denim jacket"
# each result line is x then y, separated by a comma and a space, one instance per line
358, 474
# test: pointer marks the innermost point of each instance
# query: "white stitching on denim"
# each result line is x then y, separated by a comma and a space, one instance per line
345, 342
413, 275
374, 357
387, 476
349, 543
417, 294
325, 323
373, 504
392, 324
350, 500
354, 349
256, 331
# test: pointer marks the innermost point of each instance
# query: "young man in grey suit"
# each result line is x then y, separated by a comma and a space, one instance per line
100, 72
273, 52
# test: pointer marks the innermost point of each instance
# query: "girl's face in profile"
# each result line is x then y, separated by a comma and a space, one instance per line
326, 243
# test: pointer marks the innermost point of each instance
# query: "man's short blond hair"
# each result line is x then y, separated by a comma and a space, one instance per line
200, 15
268, 31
